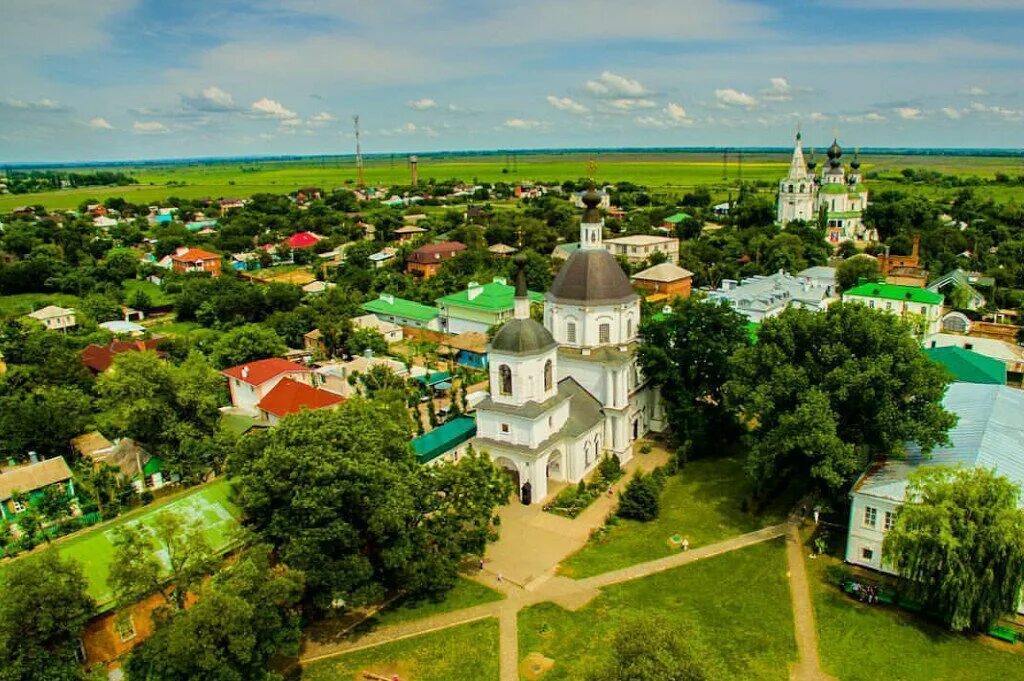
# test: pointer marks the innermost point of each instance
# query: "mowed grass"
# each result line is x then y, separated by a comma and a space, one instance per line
21, 304
466, 594
94, 549
658, 170
733, 609
860, 642
465, 653
703, 503
157, 296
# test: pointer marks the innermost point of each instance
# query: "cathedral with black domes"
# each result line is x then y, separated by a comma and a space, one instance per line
568, 391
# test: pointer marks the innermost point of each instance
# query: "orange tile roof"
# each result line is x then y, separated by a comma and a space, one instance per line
263, 370
194, 254
291, 397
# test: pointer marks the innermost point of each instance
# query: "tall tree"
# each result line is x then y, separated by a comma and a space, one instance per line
247, 344
686, 354
43, 611
823, 393
650, 651
245, 615
855, 268
959, 541
341, 497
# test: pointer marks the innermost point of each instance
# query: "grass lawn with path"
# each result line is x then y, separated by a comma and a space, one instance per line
465, 653
703, 503
158, 297
734, 609
466, 594
861, 642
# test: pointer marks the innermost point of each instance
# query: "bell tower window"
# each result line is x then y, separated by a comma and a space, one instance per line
548, 375
570, 332
604, 333
505, 379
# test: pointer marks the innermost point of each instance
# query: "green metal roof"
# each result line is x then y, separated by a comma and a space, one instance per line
968, 366
493, 297
399, 307
677, 218
433, 377
154, 465
895, 292
444, 438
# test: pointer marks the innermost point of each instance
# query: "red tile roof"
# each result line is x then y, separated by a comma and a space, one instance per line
263, 370
194, 254
436, 252
291, 397
303, 240
99, 357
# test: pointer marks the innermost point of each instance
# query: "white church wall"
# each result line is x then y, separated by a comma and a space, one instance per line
527, 377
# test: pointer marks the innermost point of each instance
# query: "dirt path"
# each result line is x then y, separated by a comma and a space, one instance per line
808, 668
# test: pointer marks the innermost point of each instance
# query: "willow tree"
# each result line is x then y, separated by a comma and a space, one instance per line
959, 541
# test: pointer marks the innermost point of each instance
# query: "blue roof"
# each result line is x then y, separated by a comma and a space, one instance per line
989, 434
444, 438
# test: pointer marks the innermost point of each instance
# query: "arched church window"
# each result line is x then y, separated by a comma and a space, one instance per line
570, 332
548, 375
505, 378
604, 333
629, 328
790, 189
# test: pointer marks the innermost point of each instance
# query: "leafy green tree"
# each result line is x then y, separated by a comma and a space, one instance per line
823, 393
340, 496
247, 344
852, 270
959, 541
137, 571
361, 340
686, 354
44, 609
247, 614
647, 650
640, 500
42, 419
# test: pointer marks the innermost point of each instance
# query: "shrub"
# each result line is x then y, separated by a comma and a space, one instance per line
640, 498
837, 575
610, 469
645, 449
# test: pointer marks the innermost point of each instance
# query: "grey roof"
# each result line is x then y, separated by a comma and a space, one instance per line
522, 337
989, 434
591, 277
585, 413
818, 272
766, 294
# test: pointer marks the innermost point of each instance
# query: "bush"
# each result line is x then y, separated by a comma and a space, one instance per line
837, 575
610, 469
639, 500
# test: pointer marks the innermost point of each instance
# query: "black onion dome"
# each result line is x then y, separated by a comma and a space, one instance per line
522, 337
591, 199
591, 277
835, 151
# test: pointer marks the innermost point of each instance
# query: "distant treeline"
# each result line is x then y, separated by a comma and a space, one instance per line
22, 182
934, 177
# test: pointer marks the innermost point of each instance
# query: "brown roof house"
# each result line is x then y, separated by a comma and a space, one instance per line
426, 260
664, 281
31, 480
144, 470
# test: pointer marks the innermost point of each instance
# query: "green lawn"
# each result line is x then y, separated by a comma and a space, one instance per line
734, 609
94, 549
157, 296
466, 594
464, 653
703, 503
174, 328
859, 642
23, 303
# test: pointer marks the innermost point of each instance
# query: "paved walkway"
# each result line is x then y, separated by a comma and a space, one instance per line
808, 668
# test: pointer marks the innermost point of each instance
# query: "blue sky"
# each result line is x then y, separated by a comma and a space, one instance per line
135, 79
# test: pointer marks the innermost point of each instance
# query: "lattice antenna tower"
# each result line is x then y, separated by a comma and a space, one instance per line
360, 177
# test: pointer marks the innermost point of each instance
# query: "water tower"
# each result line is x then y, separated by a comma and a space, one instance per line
414, 170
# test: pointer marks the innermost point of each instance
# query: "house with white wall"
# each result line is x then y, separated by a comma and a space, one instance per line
55, 318
909, 302
250, 383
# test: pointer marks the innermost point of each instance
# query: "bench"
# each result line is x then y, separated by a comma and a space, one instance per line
1003, 633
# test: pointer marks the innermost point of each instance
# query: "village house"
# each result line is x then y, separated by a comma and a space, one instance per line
408, 233
638, 248
1010, 354
904, 270
318, 286
920, 305
250, 383
447, 443
195, 260
670, 224
133, 462
663, 282
55, 318
392, 332
99, 358
289, 396
426, 260
968, 366
336, 376
404, 312
303, 240
502, 250
480, 306
31, 480
759, 297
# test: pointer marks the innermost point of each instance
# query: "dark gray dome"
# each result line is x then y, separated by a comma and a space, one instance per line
522, 337
593, 277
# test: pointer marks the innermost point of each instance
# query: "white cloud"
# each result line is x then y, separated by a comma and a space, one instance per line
150, 128
629, 104
99, 123
651, 122
40, 105
322, 117
731, 97
952, 113
421, 104
674, 116
272, 108
566, 104
410, 129
677, 113
779, 91
818, 116
291, 122
975, 91
610, 84
523, 124
217, 96
870, 117
999, 111
908, 113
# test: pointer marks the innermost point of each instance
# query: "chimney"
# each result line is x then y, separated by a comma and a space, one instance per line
475, 290
387, 298
33, 457
500, 280
245, 372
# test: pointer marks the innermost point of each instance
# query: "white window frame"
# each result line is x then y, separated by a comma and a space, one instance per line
867, 553
570, 332
604, 333
870, 517
888, 520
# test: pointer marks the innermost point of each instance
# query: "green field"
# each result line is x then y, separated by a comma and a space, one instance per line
703, 503
666, 170
208, 505
464, 653
861, 642
466, 594
23, 303
157, 296
734, 610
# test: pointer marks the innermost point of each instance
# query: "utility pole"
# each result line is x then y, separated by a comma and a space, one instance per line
360, 178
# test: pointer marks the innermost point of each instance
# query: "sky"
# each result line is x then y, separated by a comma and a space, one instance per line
142, 79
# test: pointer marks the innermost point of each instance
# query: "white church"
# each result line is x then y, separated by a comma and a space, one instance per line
568, 391
840, 194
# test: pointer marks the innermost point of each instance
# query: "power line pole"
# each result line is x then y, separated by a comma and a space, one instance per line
360, 178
